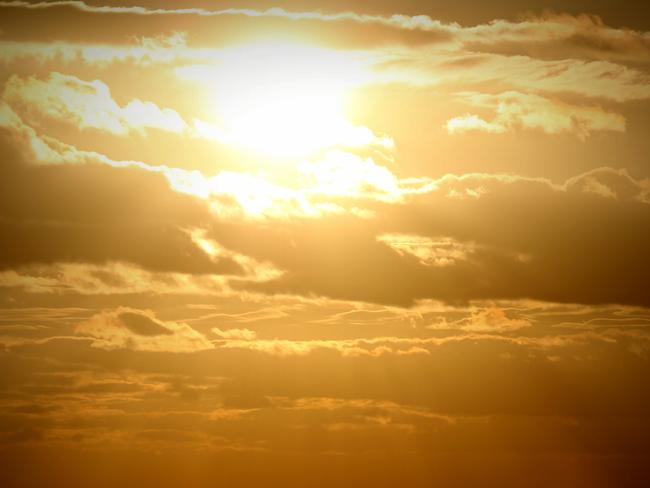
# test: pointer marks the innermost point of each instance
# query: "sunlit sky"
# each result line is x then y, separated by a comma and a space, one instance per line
325, 244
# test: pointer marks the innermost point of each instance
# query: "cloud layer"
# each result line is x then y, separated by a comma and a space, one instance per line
340, 243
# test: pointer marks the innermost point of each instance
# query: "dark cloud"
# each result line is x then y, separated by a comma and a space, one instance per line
142, 324
94, 213
626, 47
585, 242
140, 330
617, 13
190, 382
569, 399
114, 27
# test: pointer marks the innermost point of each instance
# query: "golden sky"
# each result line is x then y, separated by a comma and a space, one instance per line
321, 244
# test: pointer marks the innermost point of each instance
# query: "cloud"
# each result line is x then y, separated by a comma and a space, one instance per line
341, 29
86, 104
141, 324
95, 213
612, 184
485, 326
555, 53
511, 221
490, 319
549, 34
532, 239
554, 36
517, 110
112, 278
469, 122
299, 122
157, 317
237, 334
140, 330
237, 195
430, 251
600, 79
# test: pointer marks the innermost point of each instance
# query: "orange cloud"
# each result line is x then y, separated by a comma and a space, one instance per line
140, 330
517, 110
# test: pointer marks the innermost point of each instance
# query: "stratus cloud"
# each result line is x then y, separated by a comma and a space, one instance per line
490, 319
109, 279
238, 334
560, 34
239, 195
95, 213
419, 22
143, 51
358, 406
371, 347
503, 260
212, 27
527, 111
489, 325
442, 251
554, 36
590, 66
597, 79
518, 252
140, 330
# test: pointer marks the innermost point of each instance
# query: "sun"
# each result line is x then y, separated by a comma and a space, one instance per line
287, 99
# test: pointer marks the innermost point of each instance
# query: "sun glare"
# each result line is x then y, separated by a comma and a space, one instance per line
285, 99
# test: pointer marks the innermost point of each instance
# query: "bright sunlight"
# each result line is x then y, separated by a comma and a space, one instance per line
286, 100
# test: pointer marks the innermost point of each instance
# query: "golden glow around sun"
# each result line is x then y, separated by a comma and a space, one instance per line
347, 243
285, 99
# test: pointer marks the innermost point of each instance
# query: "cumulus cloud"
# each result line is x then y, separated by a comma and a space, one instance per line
140, 330
87, 104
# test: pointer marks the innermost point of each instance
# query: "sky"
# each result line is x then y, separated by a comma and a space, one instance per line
302, 243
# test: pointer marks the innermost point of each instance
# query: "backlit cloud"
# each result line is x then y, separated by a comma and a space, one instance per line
407, 243
141, 331
515, 110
